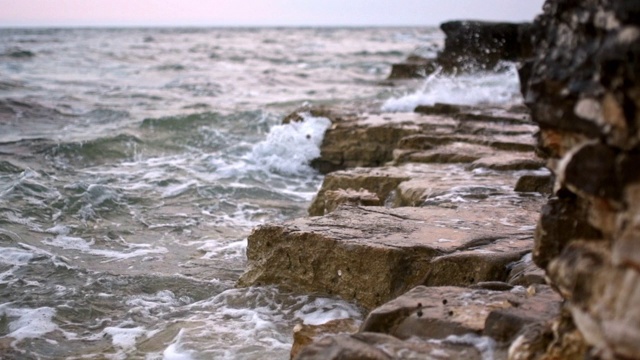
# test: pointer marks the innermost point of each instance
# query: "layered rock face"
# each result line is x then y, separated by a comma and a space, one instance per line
422, 226
583, 89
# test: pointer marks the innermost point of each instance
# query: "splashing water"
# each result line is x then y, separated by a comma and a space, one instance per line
494, 88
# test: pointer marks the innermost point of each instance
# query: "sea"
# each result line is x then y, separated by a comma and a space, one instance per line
134, 163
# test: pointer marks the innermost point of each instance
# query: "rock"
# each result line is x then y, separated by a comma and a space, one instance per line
372, 254
369, 140
471, 45
558, 339
379, 182
440, 109
335, 198
509, 161
414, 67
439, 312
535, 183
372, 346
582, 86
305, 334
541, 306
562, 219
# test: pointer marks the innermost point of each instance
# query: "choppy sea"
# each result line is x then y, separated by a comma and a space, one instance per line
135, 162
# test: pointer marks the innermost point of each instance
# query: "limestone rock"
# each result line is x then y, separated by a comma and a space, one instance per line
582, 87
413, 67
335, 198
482, 45
378, 181
369, 140
305, 334
439, 312
535, 183
372, 254
541, 305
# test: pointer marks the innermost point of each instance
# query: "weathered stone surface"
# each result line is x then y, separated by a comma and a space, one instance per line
438, 312
369, 140
335, 198
535, 183
562, 219
541, 305
305, 334
448, 185
371, 254
413, 67
558, 339
582, 87
374, 346
379, 181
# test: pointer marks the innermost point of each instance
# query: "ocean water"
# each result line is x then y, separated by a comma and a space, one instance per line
135, 162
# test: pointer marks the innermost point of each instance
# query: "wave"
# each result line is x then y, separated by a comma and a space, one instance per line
289, 148
483, 88
17, 53
27, 109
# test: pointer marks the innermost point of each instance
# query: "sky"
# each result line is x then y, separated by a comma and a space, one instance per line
44, 13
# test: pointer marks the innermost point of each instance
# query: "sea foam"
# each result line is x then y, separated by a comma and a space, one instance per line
495, 88
29, 323
289, 148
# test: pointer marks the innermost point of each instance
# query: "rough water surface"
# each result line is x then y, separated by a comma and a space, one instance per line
135, 162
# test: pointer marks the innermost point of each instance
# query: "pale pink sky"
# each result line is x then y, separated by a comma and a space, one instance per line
258, 12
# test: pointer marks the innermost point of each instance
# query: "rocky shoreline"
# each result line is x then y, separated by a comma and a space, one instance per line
445, 225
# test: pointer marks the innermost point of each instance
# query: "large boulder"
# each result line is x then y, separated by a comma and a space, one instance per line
583, 88
372, 254
471, 46
482, 45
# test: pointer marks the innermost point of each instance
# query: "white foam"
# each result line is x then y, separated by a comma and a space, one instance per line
469, 89
175, 351
124, 338
30, 323
15, 257
485, 345
322, 310
214, 249
290, 147
79, 244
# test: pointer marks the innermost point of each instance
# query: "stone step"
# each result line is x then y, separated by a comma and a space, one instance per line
371, 254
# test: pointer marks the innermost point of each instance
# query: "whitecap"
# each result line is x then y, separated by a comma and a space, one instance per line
290, 147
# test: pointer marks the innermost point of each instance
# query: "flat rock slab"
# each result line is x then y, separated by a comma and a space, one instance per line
372, 254
305, 334
439, 312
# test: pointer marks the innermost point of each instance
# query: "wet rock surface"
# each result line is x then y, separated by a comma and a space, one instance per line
471, 46
582, 88
372, 254
420, 199
532, 264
